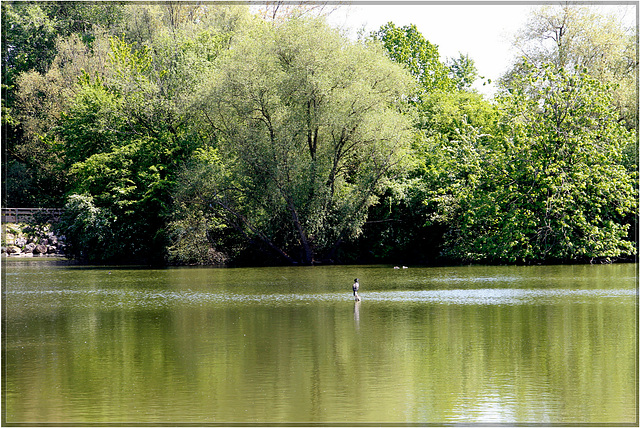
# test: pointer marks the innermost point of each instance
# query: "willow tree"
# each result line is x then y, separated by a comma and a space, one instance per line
309, 126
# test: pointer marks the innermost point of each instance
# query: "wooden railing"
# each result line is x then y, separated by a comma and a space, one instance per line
24, 215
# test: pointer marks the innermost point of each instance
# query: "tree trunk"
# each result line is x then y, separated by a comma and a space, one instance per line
257, 232
306, 246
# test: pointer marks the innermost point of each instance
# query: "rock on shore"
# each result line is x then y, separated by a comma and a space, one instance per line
29, 240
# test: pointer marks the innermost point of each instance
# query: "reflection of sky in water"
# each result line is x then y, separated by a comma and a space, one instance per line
485, 296
491, 407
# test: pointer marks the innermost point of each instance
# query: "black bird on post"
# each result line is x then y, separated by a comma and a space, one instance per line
356, 287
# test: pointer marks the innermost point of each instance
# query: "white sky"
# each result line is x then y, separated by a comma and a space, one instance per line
484, 31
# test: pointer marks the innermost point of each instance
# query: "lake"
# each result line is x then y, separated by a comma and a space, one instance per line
472, 344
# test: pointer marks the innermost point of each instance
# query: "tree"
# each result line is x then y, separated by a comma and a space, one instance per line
407, 46
552, 186
41, 100
127, 132
87, 230
445, 109
284, 10
580, 38
462, 71
32, 33
308, 127
449, 151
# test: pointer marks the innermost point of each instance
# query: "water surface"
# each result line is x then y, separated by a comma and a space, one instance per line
552, 344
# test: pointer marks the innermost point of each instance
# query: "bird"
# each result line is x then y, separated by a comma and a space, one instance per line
356, 287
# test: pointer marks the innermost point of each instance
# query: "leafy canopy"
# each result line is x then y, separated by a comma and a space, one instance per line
309, 126
407, 46
552, 186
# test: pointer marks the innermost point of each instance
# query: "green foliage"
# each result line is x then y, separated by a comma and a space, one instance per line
133, 183
309, 126
195, 134
551, 186
197, 234
193, 239
124, 139
463, 72
34, 88
453, 130
87, 230
94, 123
407, 46
30, 30
578, 37
28, 37
127, 130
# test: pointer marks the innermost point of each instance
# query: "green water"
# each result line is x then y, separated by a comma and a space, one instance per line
553, 344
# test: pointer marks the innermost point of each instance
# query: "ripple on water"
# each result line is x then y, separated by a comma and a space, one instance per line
486, 296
